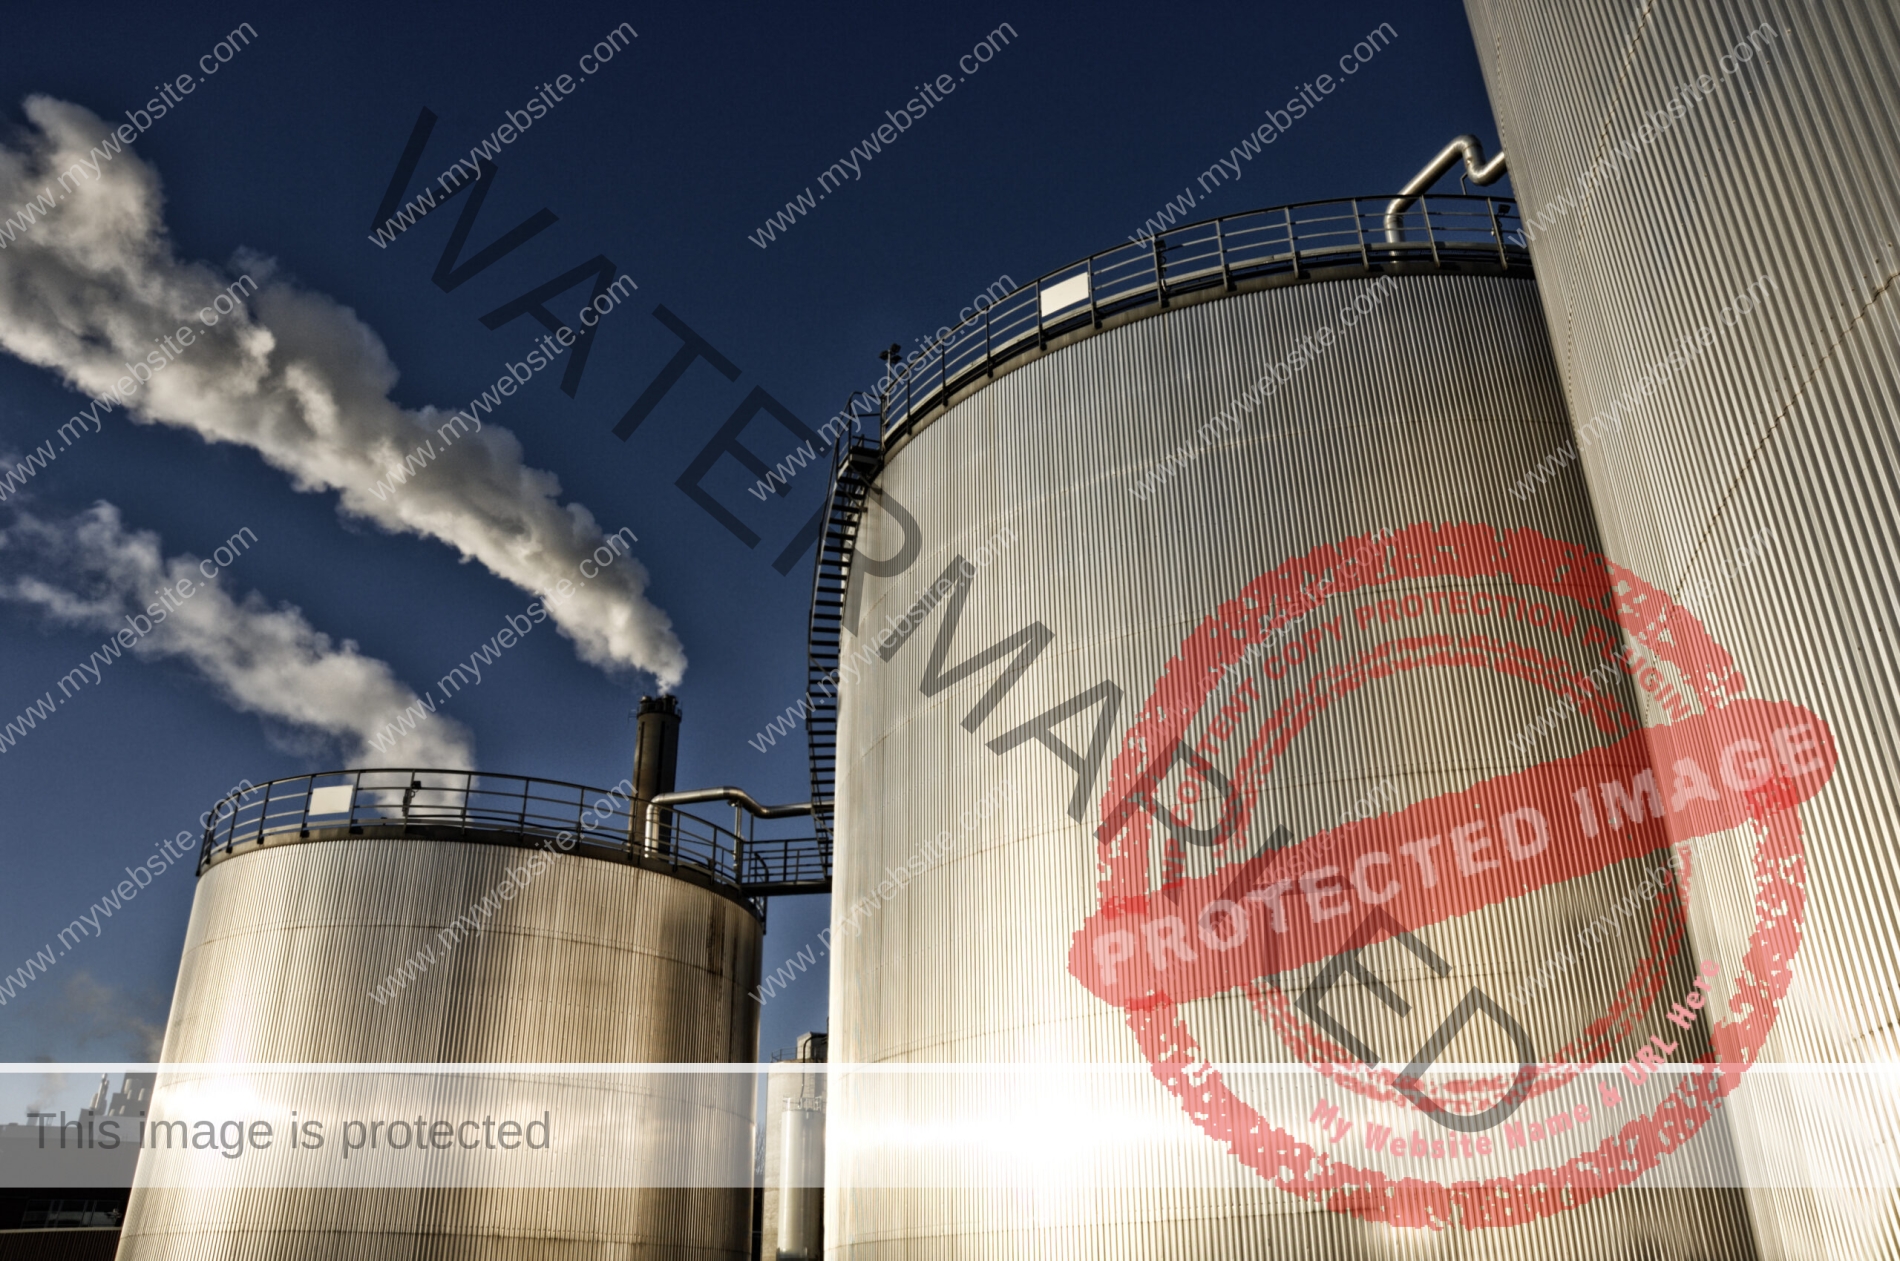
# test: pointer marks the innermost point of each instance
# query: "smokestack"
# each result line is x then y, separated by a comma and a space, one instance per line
657, 747
655, 756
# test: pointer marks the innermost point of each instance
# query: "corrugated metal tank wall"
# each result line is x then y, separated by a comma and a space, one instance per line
591, 962
1425, 412
1723, 143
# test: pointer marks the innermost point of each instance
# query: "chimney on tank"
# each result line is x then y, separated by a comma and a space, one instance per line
655, 755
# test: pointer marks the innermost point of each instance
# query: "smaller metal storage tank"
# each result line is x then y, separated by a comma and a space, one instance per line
793, 1205
437, 918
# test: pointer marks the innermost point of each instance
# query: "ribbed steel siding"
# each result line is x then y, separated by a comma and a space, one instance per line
1427, 412
1788, 424
591, 962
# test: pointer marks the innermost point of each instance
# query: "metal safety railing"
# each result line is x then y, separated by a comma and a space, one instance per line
604, 823
1253, 248
766, 865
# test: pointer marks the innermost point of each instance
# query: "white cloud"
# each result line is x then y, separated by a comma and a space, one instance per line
297, 377
92, 572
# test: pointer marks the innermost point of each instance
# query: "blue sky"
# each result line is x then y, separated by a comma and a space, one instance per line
664, 160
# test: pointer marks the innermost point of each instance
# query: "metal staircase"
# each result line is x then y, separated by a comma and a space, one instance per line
859, 458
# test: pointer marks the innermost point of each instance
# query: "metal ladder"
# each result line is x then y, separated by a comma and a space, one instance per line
860, 457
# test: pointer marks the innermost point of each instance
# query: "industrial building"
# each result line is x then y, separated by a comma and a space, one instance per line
1154, 603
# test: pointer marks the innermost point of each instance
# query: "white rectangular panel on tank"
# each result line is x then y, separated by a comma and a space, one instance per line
335, 799
1065, 294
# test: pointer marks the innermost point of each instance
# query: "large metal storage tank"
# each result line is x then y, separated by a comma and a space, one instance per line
1736, 166
982, 815
586, 953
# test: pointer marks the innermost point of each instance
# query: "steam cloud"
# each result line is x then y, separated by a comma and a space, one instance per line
262, 660
297, 377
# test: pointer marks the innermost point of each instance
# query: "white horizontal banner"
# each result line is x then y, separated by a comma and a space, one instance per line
945, 1125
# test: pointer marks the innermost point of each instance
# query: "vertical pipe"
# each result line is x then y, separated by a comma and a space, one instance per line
655, 764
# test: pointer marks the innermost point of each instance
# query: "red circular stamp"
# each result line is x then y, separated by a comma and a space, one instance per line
1162, 936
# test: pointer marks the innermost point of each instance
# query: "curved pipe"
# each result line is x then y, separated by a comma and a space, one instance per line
738, 797
1468, 147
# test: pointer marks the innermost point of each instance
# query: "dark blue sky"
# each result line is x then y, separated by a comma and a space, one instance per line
664, 161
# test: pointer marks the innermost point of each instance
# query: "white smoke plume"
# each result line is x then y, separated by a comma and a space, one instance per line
94, 287
90, 571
